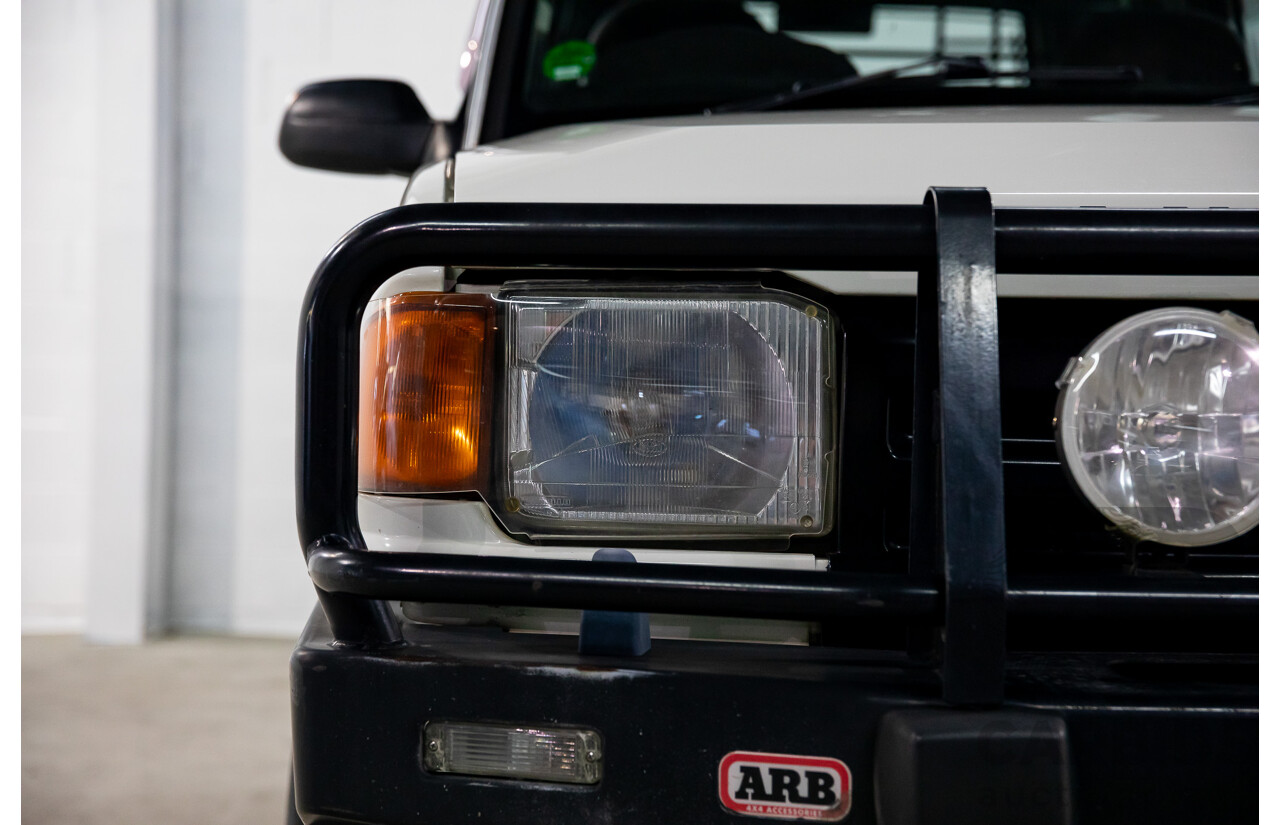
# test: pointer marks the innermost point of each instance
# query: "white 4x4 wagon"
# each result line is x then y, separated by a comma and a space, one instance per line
838, 411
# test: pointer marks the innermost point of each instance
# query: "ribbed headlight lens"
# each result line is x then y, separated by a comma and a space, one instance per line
1158, 423
706, 413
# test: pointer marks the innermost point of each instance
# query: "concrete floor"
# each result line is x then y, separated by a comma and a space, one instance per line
186, 730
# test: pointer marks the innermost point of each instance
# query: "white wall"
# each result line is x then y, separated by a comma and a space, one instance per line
209, 245
59, 168
213, 511
93, 297
131, 316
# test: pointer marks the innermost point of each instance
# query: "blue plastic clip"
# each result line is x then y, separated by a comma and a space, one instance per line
608, 632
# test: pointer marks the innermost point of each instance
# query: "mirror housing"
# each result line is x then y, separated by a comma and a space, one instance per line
372, 127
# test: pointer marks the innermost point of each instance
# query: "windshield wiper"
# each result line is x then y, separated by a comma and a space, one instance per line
944, 69
1245, 99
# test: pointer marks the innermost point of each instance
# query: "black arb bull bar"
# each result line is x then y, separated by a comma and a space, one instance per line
957, 579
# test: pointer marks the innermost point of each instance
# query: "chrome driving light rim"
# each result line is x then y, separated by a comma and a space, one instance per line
1152, 436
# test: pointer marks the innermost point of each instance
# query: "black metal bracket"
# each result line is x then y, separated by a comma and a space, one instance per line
957, 487
990, 767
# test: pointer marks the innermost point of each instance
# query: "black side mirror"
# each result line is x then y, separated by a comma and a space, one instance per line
367, 126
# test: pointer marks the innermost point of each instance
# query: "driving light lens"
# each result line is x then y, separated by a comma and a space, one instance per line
1158, 423
705, 413
424, 393
533, 753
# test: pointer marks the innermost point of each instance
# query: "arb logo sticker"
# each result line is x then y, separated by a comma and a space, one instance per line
781, 786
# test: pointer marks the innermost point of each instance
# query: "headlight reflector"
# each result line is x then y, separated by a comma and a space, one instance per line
699, 411
1158, 424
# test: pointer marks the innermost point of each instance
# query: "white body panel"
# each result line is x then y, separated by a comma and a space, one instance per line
1077, 156
1058, 156
466, 528
1026, 156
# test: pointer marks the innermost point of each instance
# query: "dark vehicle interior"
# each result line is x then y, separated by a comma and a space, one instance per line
588, 60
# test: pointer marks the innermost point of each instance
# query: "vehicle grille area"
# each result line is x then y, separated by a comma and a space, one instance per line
1051, 530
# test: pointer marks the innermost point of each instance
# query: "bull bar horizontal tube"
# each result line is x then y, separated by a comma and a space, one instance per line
781, 594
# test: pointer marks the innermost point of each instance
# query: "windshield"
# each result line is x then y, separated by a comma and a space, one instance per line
587, 60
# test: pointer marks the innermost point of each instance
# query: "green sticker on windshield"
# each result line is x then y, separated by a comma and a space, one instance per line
570, 60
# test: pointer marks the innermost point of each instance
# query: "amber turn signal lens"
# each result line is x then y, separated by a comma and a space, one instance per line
424, 401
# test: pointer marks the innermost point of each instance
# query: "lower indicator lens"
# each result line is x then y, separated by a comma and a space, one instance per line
534, 753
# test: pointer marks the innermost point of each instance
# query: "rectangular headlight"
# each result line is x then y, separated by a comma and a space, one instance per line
671, 411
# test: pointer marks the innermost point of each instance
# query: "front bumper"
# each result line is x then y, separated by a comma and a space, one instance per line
1155, 740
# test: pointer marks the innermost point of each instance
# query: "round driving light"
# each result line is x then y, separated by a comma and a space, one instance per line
1158, 423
